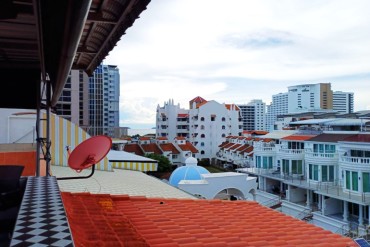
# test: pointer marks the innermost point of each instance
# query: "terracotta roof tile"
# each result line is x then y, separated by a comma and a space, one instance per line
139, 221
169, 147
188, 147
151, 148
133, 148
223, 144
358, 138
297, 137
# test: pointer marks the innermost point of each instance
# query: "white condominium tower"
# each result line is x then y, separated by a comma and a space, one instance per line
205, 124
343, 102
310, 97
253, 115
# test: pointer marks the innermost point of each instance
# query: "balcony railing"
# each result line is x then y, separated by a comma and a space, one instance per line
291, 151
355, 160
321, 155
333, 189
263, 148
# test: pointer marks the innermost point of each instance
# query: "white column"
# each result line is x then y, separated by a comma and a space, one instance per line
308, 202
361, 215
319, 206
345, 211
323, 207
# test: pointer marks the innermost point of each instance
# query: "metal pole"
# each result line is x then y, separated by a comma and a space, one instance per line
48, 142
38, 141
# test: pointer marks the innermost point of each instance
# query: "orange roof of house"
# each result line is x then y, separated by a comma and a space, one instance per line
188, 147
162, 138
248, 150
144, 138
133, 148
180, 115
107, 220
180, 138
297, 137
169, 147
228, 106
151, 148
235, 147
198, 99
223, 144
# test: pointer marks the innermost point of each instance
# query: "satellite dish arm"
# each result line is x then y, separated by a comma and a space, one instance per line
80, 177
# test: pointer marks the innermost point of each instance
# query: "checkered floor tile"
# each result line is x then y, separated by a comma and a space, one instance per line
41, 219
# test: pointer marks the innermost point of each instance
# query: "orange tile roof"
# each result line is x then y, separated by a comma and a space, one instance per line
182, 115
144, 138
198, 99
180, 138
188, 147
297, 137
133, 148
151, 148
228, 106
169, 147
107, 220
162, 138
223, 144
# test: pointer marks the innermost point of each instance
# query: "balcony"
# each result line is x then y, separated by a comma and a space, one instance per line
355, 160
331, 189
291, 151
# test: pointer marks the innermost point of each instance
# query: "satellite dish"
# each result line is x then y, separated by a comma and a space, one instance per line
88, 153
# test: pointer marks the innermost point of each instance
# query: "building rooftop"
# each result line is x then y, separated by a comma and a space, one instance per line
117, 182
140, 221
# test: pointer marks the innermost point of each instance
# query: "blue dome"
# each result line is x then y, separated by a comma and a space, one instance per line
187, 173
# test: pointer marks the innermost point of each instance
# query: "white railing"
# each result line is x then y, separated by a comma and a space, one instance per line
356, 160
291, 151
321, 155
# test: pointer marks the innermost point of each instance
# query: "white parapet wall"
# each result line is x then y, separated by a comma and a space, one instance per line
292, 209
328, 223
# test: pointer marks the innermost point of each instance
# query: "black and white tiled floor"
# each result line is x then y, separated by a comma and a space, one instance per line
41, 219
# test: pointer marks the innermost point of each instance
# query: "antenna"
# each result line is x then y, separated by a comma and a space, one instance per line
87, 154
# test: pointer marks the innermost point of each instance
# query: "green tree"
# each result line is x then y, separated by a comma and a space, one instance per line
164, 164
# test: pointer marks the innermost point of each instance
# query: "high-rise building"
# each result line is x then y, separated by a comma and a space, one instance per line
205, 124
104, 100
279, 106
253, 115
73, 102
310, 97
343, 102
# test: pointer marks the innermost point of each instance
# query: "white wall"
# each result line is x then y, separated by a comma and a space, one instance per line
19, 129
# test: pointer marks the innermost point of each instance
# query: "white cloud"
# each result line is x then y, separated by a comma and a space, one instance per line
240, 50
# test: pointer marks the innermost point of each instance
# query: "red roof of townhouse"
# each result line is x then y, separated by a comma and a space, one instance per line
228, 145
133, 148
248, 150
108, 220
244, 147
235, 147
188, 147
162, 138
180, 115
198, 99
180, 138
229, 106
297, 137
169, 147
151, 148
358, 138
223, 144
144, 138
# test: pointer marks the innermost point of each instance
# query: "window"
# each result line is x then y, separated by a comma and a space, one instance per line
202, 119
297, 167
202, 144
313, 172
202, 136
352, 180
327, 173
258, 161
286, 166
366, 182
223, 127
223, 119
202, 152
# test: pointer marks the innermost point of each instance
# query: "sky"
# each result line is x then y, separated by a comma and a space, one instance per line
238, 50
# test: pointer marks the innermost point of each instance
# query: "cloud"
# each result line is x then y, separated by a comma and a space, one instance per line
242, 50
